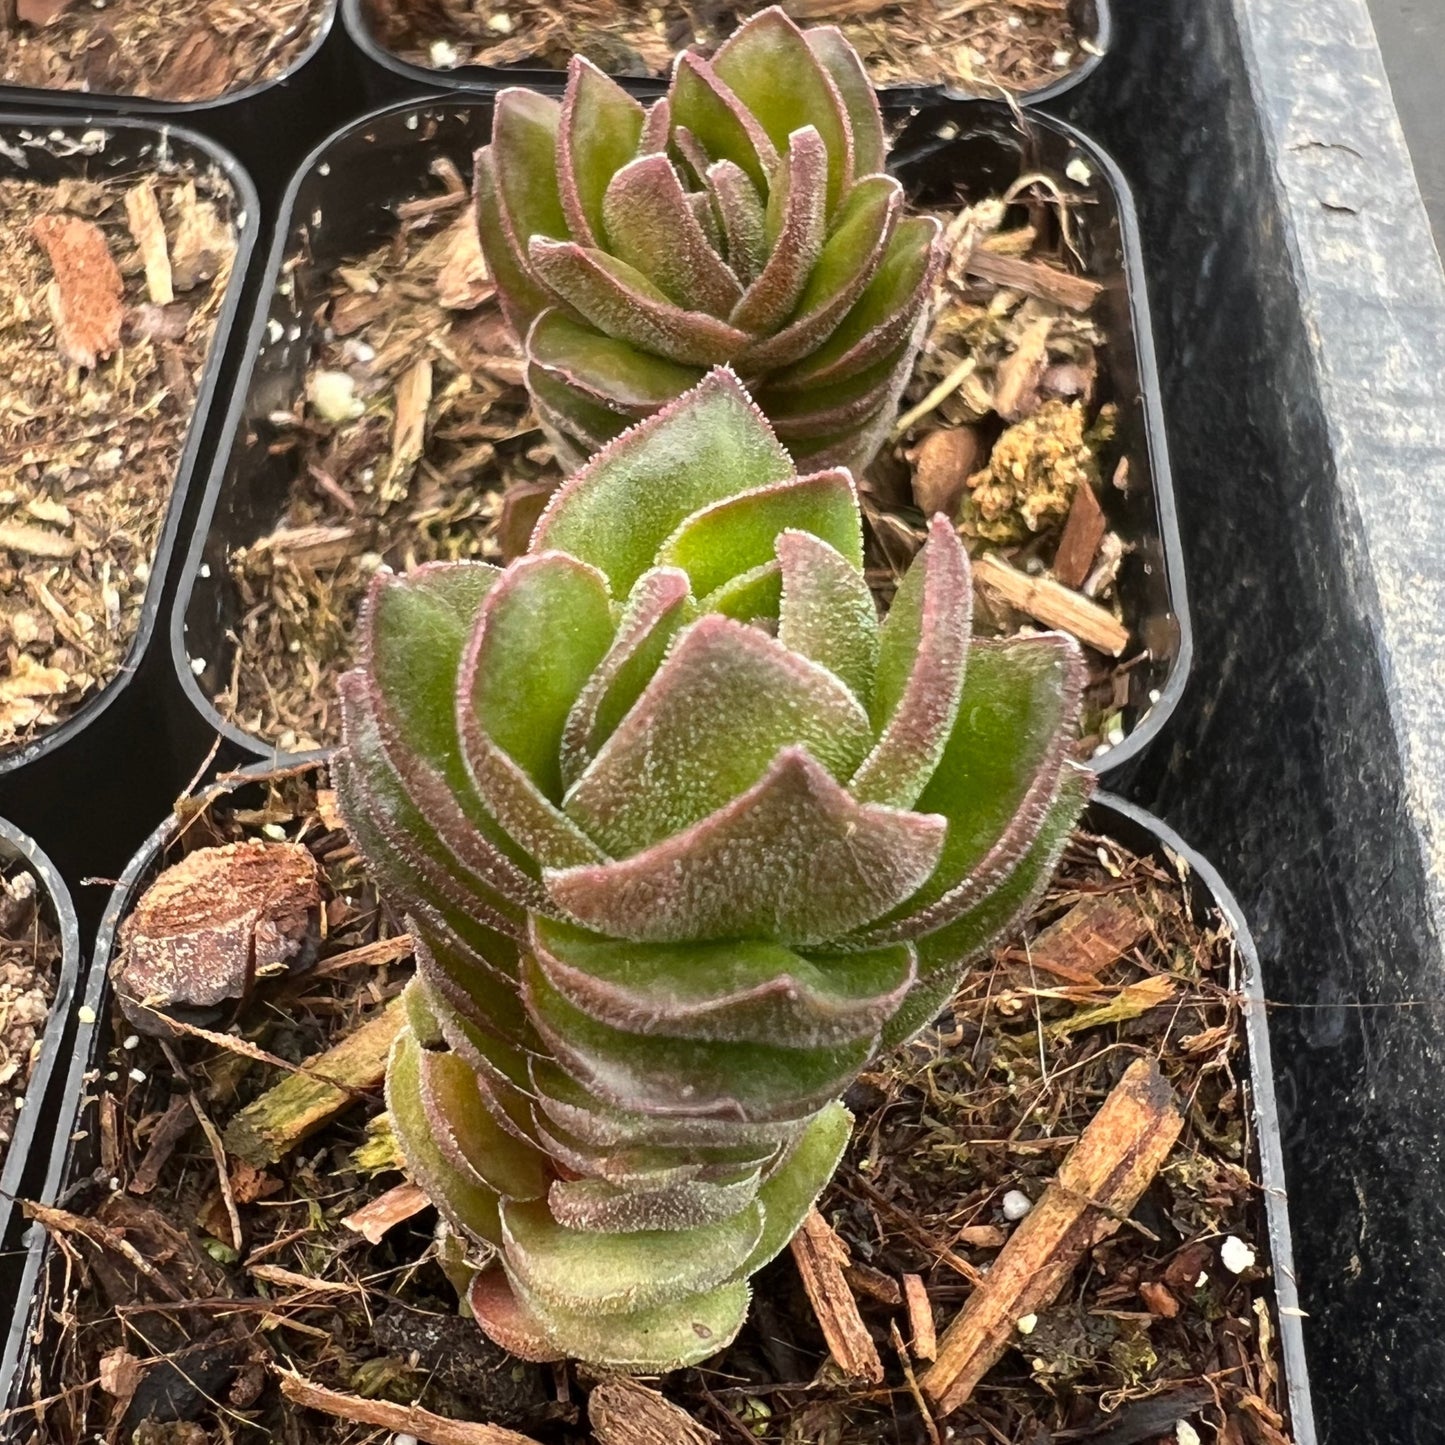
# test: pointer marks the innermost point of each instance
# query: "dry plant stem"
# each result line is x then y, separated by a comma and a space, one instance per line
1054, 605
400, 1419
265, 1131
821, 1256
623, 1411
1103, 1178
920, 1318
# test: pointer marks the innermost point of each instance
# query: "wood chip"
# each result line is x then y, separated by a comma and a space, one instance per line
1096, 932
174, 1125
821, 1258
1035, 278
874, 1283
399, 1419
522, 507
213, 923
413, 397
464, 283
35, 542
1054, 605
378, 1216
1098, 1186
268, 1128
924, 1343
85, 297
143, 213
1083, 532
1016, 382
624, 1411
205, 242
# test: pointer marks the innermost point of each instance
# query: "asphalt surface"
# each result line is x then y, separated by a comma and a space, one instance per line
1412, 39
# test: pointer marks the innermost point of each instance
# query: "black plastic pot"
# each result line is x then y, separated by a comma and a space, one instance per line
54, 148
25, 1164
267, 126
327, 217
402, 77
75, 1159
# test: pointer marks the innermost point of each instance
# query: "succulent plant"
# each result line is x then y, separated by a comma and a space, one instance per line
744, 218
684, 836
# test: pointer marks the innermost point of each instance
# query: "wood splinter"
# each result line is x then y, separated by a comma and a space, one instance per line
1102, 1179
821, 1258
1054, 605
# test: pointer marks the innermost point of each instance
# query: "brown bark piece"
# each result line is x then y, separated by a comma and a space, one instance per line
623, 1411
143, 214
204, 244
268, 1128
464, 282
1099, 1184
821, 1258
85, 297
1096, 932
39, 12
1054, 605
35, 542
1016, 384
399, 1419
522, 507
942, 465
1079, 545
211, 924
924, 1341
174, 1125
377, 1216
874, 1283
1035, 278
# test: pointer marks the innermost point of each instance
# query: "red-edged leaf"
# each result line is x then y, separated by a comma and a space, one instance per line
600, 128
620, 301
723, 126
793, 858
651, 227
715, 715
855, 89
827, 611
743, 218
796, 228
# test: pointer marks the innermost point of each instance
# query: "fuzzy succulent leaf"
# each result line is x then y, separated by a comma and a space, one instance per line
681, 832
744, 219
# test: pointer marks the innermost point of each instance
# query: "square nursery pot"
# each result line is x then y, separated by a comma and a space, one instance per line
341, 204
25, 1161
76, 1176
394, 77
268, 126
55, 148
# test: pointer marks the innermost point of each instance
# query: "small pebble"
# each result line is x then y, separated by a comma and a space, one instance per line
198, 665
131, 1041
137, 1076
1078, 171
1028, 1324
1016, 1204
1236, 1255
444, 55
412, 1440
333, 394
501, 23
1186, 1434
86, 1014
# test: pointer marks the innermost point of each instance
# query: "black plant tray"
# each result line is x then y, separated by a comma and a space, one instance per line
74, 1165
398, 78
61, 760
267, 126
25, 1163
340, 204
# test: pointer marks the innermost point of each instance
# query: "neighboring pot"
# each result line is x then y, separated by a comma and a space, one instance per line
76, 1153
267, 125
1092, 18
326, 217
22, 1174
54, 148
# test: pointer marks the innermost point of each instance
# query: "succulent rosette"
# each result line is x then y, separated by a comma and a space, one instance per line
743, 219
684, 836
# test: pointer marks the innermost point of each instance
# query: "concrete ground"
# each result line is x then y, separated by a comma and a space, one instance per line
1412, 38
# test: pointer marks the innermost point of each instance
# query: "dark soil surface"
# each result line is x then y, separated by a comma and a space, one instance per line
416, 441
984, 47
188, 50
30, 957
179, 1288
100, 362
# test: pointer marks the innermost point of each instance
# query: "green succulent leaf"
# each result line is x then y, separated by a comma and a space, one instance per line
598, 133
826, 611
